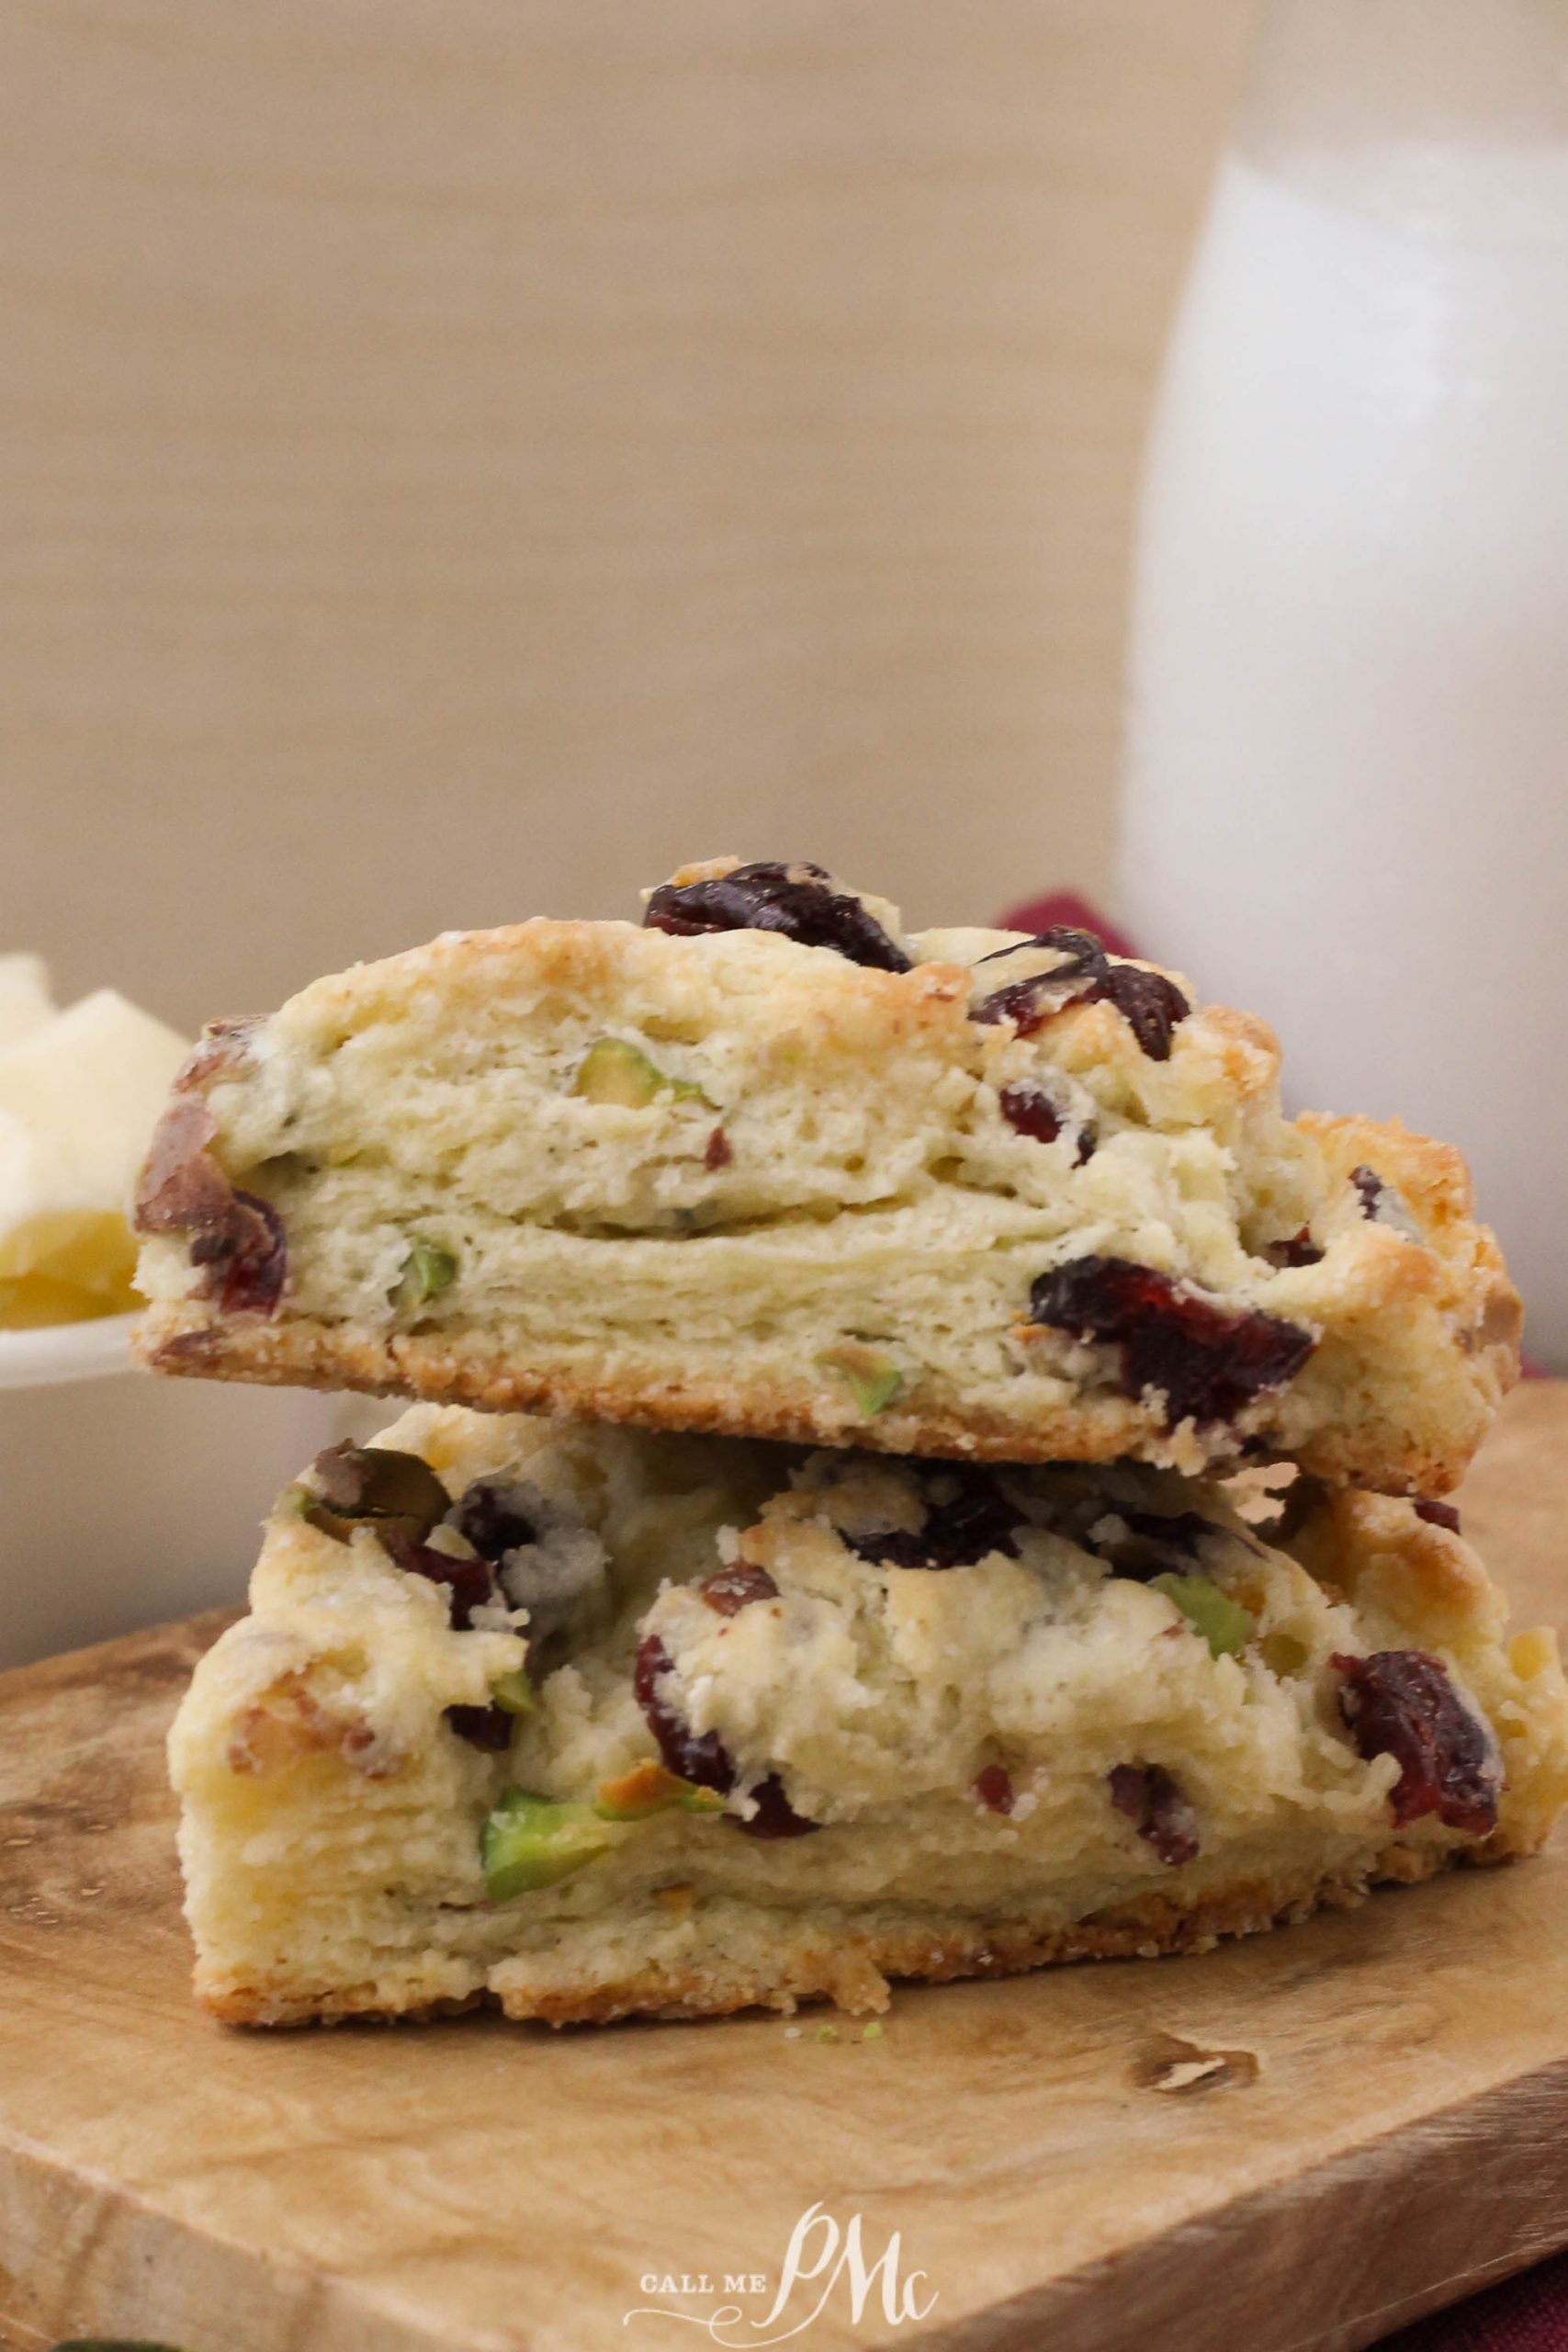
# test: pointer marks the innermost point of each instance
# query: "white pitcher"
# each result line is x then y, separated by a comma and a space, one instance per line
1346, 785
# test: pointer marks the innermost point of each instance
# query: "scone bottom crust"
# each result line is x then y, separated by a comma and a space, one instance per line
855, 1970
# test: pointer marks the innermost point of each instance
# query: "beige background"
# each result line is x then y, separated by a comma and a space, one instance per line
458, 461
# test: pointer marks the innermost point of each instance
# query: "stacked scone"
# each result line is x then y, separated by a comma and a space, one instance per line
956, 1480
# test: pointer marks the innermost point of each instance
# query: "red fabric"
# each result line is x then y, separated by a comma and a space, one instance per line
1066, 906
1528, 2313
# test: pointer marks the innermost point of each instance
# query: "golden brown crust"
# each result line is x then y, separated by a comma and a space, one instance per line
189, 1340
853, 1968
1462, 1272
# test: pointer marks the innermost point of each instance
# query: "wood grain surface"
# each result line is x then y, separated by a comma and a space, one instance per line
460, 461
1375, 2121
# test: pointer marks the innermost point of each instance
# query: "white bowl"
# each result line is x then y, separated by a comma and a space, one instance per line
125, 1500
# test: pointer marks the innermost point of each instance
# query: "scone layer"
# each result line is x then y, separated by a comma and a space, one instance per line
951, 1744
731, 1183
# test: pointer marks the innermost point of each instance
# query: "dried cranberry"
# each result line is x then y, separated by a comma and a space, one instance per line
994, 1789
248, 1256
180, 1187
1402, 1703
968, 1517
1207, 1360
469, 1583
1030, 1110
238, 1238
1030, 1003
494, 1518
1437, 1514
718, 1153
487, 1727
775, 1816
1370, 1185
703, 1759
1296, 1249
732, 1590
699, 1757
797, 901
1151, 1005
1154, 1803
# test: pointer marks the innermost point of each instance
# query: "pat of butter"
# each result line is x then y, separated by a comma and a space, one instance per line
25, 1000
79, 1098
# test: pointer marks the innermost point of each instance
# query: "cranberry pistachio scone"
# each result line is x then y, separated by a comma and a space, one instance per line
588, 1722
767, 1166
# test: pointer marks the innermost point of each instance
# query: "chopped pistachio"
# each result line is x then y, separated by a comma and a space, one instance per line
612, 1070
827, 2033
514, 1692
648, 1789
293, 1502
427, 1270
872, 2032
374, 1486
1224, 1624
531, 1842
872, 1377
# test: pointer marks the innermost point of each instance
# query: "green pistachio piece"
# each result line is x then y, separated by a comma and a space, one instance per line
428, 1270
530, 1842
514, 1692
613, 1071
375, 1487
871, 1378
695, 1800
1224, 1624
648, 1789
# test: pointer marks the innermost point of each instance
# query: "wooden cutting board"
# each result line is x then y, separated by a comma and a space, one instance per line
1298, 2141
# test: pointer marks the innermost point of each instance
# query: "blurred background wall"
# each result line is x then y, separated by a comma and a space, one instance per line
456, 462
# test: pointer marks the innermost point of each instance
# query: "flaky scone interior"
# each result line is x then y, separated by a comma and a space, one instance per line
770, 1166
587, 1722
